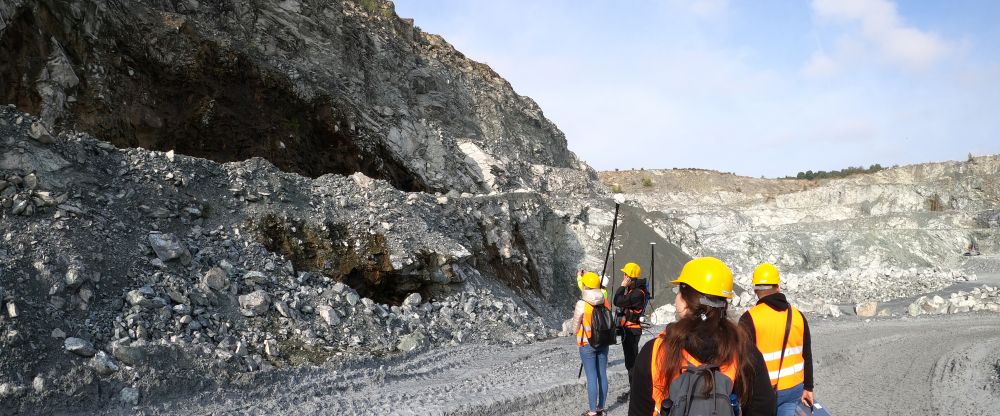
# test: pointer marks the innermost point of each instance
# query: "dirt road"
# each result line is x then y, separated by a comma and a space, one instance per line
928, 366
945, 365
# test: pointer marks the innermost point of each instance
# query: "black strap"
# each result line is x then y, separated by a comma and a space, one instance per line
692, 387
788, 329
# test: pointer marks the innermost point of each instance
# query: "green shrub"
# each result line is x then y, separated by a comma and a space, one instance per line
843, 173
647, 182
370, 6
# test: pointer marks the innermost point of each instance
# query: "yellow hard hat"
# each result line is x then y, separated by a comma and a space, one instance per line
707, 275
589, 280
766, 274
631, 270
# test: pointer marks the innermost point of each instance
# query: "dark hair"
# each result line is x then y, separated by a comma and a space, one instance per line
716, 332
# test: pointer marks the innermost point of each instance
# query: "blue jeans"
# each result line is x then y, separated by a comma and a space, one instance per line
788, 400
595, 364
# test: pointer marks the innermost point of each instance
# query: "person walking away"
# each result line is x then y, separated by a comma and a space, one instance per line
781, 333
696, 364
593, 303
630, 299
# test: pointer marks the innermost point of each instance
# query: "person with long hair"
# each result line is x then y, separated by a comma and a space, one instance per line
594, 358
702, 335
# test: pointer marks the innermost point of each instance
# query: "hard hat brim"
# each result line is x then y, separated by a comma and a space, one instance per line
728, 294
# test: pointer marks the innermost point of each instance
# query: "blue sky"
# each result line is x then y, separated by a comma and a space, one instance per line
761, 87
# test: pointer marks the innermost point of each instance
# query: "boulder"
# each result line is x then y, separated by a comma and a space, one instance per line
271, 348
129, 354
216, 279
74, 278
79, 347
412, 342
255, 303
663, 315
568, 326
413, 299
38, 384
328, 314
352, 298
283, 309
130, 396
138, 298
866, 309
104, 364
831, 310
168, 247
40, 133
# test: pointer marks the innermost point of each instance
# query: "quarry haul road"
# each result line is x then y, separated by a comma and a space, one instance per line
942, 365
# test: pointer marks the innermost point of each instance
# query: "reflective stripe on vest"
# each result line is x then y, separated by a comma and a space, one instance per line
625, 323
769, 327
583, 334
661, 386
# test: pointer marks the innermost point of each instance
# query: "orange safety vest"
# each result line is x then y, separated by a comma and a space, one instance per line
769, 327
661, 386
583, 334
636, 313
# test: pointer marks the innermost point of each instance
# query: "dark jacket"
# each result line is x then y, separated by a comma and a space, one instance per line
762, 401
632, 297
779, 302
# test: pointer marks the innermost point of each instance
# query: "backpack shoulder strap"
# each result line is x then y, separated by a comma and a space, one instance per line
784, 343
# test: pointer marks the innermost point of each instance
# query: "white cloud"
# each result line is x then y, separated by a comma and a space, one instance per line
884, 30
820, 65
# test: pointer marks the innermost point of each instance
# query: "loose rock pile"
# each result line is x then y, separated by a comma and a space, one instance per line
822, 292
985, 298
22, 196
663, 315
283, 318
146, 260
852, 286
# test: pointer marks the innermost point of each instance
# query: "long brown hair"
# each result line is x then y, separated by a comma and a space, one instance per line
692, 333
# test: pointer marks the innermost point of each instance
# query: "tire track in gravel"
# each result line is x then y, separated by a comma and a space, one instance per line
465, 380
898, 367
925, 366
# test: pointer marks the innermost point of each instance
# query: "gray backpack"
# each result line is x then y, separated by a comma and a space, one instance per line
687, 393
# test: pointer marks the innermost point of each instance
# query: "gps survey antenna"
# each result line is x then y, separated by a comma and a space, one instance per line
652, 270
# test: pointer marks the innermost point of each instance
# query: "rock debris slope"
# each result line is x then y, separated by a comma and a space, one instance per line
121, 264
257, 185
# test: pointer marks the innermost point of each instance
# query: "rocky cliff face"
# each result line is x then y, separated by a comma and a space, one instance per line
313, 86
910, 216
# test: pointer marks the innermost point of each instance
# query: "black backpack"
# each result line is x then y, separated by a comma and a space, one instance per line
602, 327
687, 393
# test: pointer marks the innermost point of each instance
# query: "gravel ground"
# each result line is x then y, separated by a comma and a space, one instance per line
926, 366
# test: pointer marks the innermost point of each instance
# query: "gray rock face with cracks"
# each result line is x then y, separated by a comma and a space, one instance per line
388, 99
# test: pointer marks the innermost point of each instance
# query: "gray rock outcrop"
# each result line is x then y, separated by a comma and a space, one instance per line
394, 102
981, 299
914, 216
